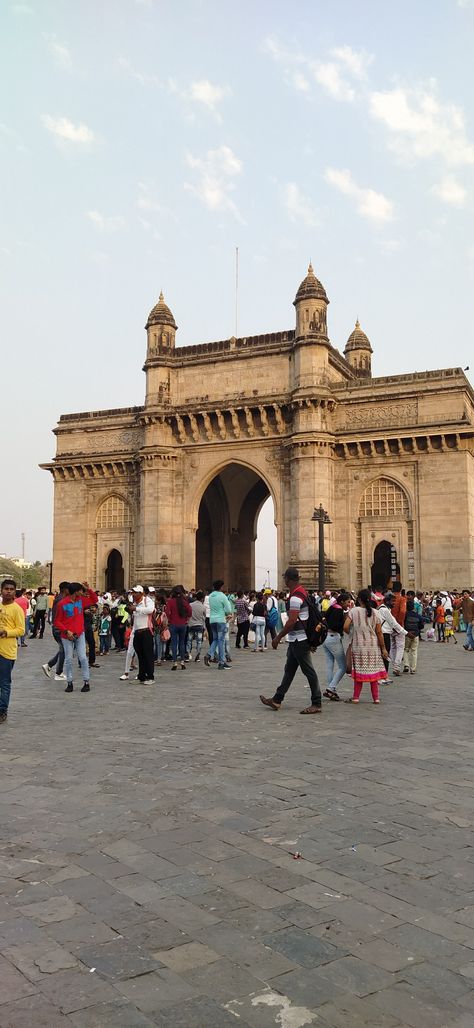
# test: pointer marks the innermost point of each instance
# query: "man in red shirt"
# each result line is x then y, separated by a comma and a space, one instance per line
69, 621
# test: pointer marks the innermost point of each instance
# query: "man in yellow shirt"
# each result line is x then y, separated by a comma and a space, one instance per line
12, 627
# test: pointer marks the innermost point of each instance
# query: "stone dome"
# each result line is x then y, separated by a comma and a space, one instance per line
311, 288
358, 340
161, 314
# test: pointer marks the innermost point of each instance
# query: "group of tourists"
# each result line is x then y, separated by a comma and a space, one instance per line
150, 628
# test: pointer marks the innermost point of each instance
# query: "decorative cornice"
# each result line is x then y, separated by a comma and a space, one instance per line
67, 470
401, 445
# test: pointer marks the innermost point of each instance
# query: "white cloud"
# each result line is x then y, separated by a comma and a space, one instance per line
215, 175
335, 76
207, 93
422, 127
22, 9
65, 129
112, 223
465, 3
329, 76
300, 208
145, 200
356, 63
451, 191
59, 51
370, 204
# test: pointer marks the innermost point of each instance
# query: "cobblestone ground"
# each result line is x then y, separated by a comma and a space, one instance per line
147, 833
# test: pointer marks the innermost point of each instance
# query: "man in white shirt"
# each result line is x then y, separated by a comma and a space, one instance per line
299, 653
143, 607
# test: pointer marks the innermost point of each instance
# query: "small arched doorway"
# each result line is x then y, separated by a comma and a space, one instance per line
382, 568
114, 572
227, 527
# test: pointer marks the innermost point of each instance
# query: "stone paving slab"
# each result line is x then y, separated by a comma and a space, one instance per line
147, 841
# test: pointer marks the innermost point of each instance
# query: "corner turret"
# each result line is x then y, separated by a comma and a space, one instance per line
358, 352
311, 305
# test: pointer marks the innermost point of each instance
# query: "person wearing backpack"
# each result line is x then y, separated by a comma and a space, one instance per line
299, 649
271, 617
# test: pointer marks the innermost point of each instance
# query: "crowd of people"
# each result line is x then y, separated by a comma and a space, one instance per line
151, 628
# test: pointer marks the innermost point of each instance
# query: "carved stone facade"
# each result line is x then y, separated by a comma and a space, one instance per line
171, 491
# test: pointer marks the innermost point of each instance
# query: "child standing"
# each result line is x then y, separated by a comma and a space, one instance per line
105, 630
449, 627
439, 620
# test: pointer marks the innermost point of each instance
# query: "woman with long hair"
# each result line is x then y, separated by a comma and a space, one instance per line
178, 611
367, 647
332, 645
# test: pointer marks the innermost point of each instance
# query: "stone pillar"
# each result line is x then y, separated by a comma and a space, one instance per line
311, 484
161, 513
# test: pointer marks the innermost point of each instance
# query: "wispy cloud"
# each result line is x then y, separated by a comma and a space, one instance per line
300, 208
202, 92
369, 204
135, 73
22, 9
421, 126
450, 191
336, 74
215, 179
59, 51
67, 131
106, 223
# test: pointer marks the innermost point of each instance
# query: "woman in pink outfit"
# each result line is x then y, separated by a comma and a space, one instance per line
368, 648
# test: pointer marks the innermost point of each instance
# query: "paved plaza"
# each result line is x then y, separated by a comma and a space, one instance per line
147, 875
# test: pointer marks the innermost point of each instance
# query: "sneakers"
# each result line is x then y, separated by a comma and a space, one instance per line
149, 681
174, 667
197, 657
224, 667
47, 670
69, 687
86, 687
124, 678
183, 666
3, 716
60, 678
207, 659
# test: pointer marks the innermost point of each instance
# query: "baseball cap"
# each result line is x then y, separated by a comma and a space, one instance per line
137, 588
267, 592
151, 589
328, 592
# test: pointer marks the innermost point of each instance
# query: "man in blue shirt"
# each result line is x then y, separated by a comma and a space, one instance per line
220, 612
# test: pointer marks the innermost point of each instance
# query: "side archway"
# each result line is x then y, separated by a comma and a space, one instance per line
113, 543
385, 547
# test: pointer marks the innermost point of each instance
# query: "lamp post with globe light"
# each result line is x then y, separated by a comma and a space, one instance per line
322, 517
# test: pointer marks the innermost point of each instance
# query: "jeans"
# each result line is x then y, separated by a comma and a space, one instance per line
195, 632
299, 656
259, 636
397, 648
178, 642
6, 668
104, 643
335, 660
411, 652
80, 645
470, 635
219, 632
58, 659
39, 622
90, 640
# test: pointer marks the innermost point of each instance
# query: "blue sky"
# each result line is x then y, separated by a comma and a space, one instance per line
142, 140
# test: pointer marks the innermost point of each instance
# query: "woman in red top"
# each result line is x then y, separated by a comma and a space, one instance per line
178, 611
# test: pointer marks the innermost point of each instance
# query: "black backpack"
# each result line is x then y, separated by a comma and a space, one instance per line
315, 627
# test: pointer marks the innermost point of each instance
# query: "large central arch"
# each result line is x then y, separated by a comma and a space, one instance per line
227, 526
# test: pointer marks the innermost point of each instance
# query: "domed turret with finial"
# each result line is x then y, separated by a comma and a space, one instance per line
311, 304
161, 327
358, 352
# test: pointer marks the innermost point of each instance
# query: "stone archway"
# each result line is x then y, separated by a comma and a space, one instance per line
227, 524
114, 575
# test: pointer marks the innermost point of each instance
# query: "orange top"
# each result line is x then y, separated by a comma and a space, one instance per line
440, 615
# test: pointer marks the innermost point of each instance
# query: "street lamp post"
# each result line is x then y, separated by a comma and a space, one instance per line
322, 517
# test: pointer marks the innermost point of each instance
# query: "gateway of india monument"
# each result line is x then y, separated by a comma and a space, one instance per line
171, 491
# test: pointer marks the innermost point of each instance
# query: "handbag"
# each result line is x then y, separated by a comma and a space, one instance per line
165, 634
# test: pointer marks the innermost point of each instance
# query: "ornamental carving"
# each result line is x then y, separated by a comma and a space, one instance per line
378, 415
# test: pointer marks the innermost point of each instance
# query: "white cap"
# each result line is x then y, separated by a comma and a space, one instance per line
151, 589
137, 588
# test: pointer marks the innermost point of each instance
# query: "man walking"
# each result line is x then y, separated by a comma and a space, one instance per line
70, 623
299, 653
58, 660
467, 607
220, 611
143, 640
12, 627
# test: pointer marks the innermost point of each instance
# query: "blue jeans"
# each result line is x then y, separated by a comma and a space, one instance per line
335, 660
6, 668
469, 635
259, 636
178, 642
80, 645
58, 659
219, 632
195, 632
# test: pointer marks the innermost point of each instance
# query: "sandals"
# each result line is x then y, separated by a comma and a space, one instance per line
331, 694
311, 710
350, 700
